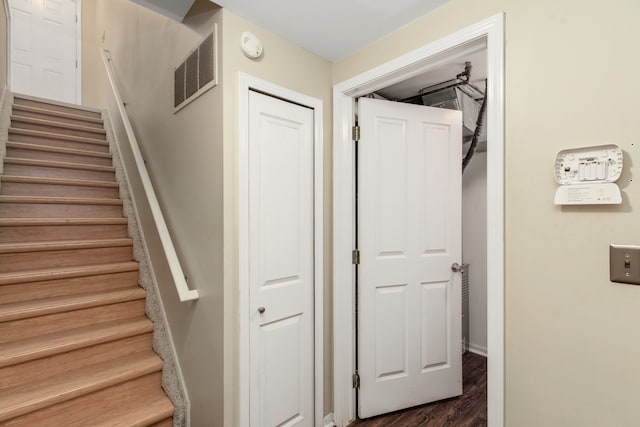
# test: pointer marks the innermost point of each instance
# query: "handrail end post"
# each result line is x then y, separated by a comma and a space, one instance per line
190, 295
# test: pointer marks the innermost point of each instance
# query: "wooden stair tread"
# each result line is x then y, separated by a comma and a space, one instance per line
54, 164
18, 222
151, 408
51, 135
60, 200
6, 248
103, 370
52, 103
50, 123
71, 339
34, 308
48, 391
48, 112
59, 150
15, 277
58, 181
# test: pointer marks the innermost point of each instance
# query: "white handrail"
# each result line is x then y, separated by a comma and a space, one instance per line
184, 293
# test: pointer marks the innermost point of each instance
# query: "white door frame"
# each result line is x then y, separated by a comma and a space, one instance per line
247, 83
7, 10
394, 71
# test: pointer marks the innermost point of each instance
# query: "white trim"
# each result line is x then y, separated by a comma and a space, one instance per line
478, 349
246, 83
79, 52
328, 420
7, 11
396, 70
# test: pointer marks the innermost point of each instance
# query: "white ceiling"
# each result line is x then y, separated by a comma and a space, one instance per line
333, 29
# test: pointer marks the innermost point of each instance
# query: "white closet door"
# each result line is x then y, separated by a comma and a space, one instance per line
44, 49
281, 263
409, 235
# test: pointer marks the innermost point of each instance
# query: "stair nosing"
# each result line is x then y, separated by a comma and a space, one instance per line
56, 113
51, 135
58, 165
67, 126
44, 200
58, 181
60, 245
38, 395
51, 149
65, 303
47, 101
40, 346
68, 272
27, 222
148, 419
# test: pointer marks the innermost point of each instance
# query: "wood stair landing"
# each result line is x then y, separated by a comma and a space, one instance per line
75, 344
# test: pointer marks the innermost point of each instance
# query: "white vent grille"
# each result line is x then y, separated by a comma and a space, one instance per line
197, 73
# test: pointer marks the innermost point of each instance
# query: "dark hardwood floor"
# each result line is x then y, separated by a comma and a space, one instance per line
468, 410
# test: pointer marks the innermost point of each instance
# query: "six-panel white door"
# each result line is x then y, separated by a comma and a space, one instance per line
409, 234
44, 49
281, 260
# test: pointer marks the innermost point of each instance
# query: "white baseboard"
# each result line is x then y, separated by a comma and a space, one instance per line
328, 420
478, 349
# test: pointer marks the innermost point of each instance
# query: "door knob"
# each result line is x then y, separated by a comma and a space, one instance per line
457, 268
261, 310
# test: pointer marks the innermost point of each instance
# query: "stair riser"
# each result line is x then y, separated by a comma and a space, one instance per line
54, 118
21, 329
58, 287
57, 130
39, 233
36, 210
53, 107
96, 407
64, 173
53, 365
20, 153
65, 258
76, 145
165, 423
54, 190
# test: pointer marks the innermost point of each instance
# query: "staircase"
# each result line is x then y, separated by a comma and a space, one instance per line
75, 344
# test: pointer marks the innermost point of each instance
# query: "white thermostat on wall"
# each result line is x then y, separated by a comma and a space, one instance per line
587, 176
251, 45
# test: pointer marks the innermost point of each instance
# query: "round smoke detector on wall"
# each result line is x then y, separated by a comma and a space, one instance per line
251, 45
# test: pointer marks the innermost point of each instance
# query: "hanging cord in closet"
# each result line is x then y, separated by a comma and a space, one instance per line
478, 130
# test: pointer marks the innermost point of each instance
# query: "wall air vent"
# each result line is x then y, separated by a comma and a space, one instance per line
197, 73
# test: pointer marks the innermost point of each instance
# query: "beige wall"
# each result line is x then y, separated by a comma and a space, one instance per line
189, 155
286, 65
3, 45
571, 347
183, 154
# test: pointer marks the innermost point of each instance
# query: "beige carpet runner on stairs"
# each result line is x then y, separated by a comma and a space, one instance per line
75, 344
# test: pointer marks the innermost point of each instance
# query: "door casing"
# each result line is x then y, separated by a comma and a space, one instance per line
396, 70
7, 10
247, 83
